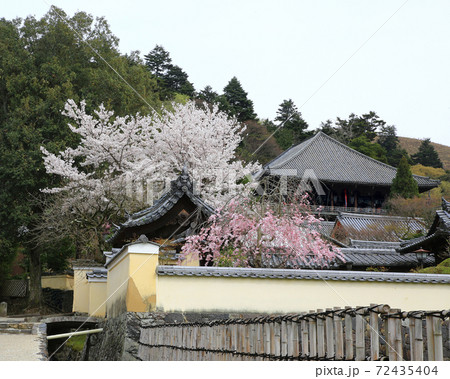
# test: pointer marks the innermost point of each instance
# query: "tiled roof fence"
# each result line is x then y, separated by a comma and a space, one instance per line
261, 273
362, 244
99, 273
378, 227
84, 263
332, 161
182, 186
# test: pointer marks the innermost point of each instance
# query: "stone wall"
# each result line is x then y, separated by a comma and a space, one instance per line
120, 336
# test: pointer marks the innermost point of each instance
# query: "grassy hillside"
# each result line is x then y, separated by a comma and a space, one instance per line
411, 145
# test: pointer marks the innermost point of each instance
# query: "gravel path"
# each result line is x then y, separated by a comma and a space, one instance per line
19, 347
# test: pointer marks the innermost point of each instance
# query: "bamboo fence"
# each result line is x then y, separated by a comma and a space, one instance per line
370, 333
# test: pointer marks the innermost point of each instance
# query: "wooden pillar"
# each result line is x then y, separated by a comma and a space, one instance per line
330, 334
320, 335
312, 337
348, 336
360, 343
338, 335
374, 338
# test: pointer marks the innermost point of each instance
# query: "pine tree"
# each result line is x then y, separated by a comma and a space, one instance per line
240, 105
427, 155
404, 185
294, 128
158, 61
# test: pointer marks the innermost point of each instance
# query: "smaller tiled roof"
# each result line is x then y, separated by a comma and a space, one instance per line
110, 254
323, 227
263, 273
308, 263
362, 244
116, 252
182, 186
380, 226
98, 273
437, 235
332, 161
382, 258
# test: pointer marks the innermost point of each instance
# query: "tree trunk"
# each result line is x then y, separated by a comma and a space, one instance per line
35, 298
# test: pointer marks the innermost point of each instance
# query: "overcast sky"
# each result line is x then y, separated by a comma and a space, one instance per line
395, 55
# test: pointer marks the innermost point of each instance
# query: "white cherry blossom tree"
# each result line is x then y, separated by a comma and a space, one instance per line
116, 156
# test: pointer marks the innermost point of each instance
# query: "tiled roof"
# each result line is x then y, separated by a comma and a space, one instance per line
356, 257
355, 276
381, 226
309, 263
178, 188
437, 235
332, 161
359, 244
382, 258
323, 227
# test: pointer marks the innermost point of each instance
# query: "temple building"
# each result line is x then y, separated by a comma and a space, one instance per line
176, 215
344, 179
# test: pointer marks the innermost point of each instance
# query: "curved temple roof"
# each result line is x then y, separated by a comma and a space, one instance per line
182, 186
332, 161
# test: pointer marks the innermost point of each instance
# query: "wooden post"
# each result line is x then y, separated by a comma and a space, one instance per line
329, 334
234, 339
305, 339
348, 336
272, 339
417, 339
320, 335
252, 338
398, 337
247, 340
374, 336
277, 337
360, 343
293, 350
338, 335
284, 338
391, 337
267, 338
437, 338
239, 341
261, 341
312, 337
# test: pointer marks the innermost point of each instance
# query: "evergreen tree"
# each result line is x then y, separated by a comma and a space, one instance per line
257, 144
208, 94
371, 149
171, 78
387, 138
42, 64
176, 80
240, 105
294, 128
404, 185
347, 130
158, 61
427, 155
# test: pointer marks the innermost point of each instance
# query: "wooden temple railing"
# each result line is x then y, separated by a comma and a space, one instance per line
335, 209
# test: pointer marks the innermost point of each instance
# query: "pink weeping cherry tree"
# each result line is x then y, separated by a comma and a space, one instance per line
247, 233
